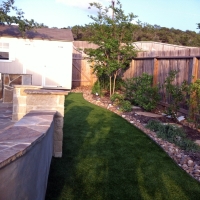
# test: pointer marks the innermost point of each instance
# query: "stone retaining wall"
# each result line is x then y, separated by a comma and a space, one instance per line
27, 98
26, 150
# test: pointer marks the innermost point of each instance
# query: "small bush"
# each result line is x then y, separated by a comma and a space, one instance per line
126, 106
172, 134
176, 94
96, 89
118, 99
140, 91
194, 102
153, 125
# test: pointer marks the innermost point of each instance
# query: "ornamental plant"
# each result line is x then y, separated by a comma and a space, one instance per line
118, 99
113, 36
194, 102
175, 94
140, 91
172, 134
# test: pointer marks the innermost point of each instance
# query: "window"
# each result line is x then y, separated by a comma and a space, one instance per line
4, 55
4, 51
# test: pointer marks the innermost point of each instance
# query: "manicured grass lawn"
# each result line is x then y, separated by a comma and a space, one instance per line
106, 158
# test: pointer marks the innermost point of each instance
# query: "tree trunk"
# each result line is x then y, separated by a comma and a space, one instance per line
110, 85
114, 81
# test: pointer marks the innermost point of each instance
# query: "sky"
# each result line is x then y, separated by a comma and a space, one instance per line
178, 14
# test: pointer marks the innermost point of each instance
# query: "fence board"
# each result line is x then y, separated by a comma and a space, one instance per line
169, 57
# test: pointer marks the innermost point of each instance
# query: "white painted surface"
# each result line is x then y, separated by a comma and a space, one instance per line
50, 62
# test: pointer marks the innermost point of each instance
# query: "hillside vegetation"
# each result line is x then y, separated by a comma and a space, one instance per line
147, 32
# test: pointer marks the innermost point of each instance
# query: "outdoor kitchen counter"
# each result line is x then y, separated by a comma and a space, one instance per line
23, 135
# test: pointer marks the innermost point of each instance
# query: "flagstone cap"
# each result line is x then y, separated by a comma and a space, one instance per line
23, 135
46, 92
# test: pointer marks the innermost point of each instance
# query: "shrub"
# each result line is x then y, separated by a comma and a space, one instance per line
118, 99
96, 89
175, 93
139, 90
173, 134
194, 102
126, 106
153, 125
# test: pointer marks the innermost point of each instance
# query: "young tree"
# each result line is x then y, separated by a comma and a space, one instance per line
113, 35
6, 7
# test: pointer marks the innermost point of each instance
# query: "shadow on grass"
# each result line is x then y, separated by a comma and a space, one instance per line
105, 157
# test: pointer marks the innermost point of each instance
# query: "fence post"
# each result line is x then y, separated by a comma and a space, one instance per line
155, 72
195, 64
93, 77
132, 68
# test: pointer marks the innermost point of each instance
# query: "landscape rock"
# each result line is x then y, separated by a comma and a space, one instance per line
190, 163
149, 114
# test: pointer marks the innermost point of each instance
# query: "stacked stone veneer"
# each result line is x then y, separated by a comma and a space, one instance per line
28, 98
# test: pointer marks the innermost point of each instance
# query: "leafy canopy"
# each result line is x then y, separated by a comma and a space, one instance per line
6, 7
113, 35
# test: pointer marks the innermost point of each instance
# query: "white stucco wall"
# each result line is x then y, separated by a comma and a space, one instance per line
50, 62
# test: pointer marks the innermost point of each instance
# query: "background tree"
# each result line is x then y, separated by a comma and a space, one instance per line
6, 7
147, 32
113, 35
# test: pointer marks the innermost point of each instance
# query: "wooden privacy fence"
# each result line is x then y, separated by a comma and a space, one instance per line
158, 60
82, 73
156, 63
160, 63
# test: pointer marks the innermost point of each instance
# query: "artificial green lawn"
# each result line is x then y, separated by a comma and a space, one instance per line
105, 157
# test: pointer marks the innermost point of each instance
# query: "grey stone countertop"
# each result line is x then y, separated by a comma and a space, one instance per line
23, 135
46, 91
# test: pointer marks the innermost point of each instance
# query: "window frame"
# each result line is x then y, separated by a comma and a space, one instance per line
5, 48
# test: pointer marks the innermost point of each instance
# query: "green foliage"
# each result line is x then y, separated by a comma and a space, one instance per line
153, 125
118, 99
96, 89
194, 101
105, 82
113, 35
8, 6
175, 94
126, 106
198, 26
139, 90
172, 134
147, 32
